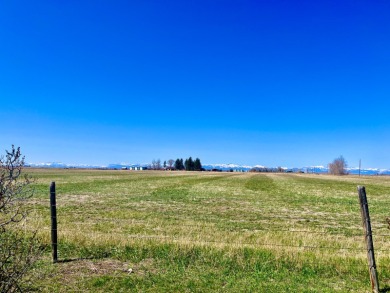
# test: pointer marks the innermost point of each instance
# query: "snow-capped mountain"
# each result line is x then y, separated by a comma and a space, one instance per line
352, 170
63, 166
226, 167
369, 171
47, 165
222, 167
83, 166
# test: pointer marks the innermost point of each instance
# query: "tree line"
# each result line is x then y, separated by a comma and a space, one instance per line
178, 164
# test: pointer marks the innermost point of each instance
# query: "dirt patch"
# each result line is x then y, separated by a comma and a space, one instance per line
75, 269
80, 268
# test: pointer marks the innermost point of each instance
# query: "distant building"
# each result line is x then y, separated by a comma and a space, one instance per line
138, 168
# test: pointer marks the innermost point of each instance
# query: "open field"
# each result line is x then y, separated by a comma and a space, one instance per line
122, 231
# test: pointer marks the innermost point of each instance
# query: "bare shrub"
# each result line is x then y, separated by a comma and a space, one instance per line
338, 166
18, 249
170, 163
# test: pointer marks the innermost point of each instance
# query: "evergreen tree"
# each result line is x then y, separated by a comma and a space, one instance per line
177, 164
181, 164
197, 165
165, 164
189, 164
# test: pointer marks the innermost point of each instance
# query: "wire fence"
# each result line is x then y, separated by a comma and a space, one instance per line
100, 226
334, 235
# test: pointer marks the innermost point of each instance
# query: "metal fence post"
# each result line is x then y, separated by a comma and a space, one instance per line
53, 213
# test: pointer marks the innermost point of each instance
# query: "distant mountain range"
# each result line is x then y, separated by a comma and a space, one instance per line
222, 167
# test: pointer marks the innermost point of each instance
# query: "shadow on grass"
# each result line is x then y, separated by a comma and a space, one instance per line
384, 289
74, 259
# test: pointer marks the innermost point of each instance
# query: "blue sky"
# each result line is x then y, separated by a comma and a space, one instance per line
276, 83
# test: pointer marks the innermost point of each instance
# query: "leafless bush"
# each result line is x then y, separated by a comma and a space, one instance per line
156, 165
170, 163
18, 249
338, 166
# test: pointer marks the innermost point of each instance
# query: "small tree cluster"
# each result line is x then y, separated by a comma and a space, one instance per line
338, 166
179, 164
188, 165
191, 165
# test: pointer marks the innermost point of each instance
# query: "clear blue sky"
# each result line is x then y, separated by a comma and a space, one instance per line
276, 83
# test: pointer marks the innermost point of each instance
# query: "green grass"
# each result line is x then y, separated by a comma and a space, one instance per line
208, 232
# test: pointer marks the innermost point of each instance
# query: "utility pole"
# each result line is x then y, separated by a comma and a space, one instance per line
360, 165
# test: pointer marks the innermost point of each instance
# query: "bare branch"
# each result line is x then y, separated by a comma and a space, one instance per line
18, 251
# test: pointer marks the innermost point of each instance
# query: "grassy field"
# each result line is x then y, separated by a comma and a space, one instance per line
122, 231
